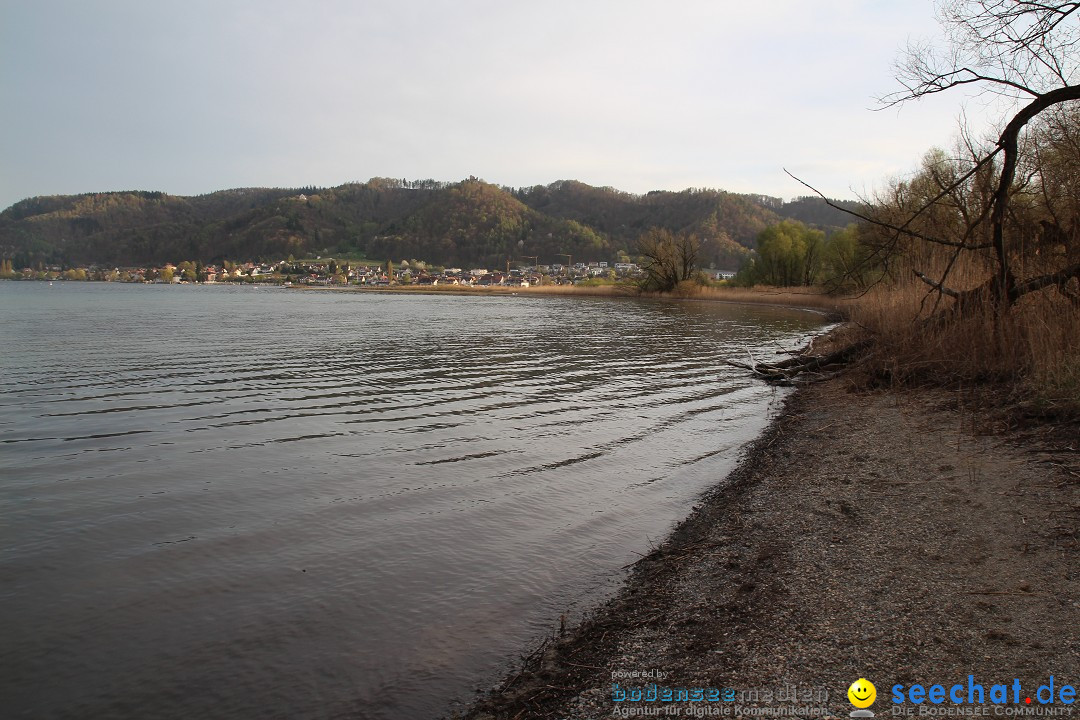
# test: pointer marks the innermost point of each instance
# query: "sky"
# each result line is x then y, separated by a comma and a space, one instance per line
190, 96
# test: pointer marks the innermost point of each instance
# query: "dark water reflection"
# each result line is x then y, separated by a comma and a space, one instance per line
254, 503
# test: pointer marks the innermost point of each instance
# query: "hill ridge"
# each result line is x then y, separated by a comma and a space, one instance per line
462, 223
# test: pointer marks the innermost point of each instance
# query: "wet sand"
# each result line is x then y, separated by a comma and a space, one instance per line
901, 537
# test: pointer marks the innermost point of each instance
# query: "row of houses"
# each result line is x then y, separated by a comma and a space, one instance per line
330, 272
521, 277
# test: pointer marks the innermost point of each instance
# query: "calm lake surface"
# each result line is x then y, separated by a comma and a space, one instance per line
258, 503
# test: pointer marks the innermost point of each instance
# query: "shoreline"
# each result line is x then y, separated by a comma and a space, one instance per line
834, 309
864, 534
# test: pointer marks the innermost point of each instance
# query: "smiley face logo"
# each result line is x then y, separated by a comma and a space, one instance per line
862, 693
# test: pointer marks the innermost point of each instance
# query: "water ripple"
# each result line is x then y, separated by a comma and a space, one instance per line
324, 502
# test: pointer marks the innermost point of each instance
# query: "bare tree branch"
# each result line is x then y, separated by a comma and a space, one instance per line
936, 285
903, 229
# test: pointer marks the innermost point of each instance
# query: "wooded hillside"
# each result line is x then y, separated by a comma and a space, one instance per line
465, 223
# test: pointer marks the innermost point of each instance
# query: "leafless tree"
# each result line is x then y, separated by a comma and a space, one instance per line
667, 258
1028, 52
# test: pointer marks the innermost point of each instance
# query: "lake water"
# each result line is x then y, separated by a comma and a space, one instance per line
259, 503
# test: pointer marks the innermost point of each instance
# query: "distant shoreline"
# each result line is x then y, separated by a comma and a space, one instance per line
598, 291
835, 309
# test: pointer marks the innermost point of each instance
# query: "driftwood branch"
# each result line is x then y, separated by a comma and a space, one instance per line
799, 368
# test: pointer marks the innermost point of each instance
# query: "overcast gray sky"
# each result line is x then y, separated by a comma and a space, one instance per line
191, 96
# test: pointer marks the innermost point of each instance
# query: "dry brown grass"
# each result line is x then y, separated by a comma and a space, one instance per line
790, 297
812, 297
581, 290
1032, 352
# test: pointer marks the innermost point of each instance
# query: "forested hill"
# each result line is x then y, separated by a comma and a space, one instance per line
465, 223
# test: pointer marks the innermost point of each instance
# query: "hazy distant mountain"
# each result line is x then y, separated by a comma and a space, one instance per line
465, 223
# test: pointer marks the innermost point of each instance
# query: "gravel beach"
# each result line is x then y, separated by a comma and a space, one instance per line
902, 537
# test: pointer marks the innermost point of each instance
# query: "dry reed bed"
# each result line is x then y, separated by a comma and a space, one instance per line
1032, 351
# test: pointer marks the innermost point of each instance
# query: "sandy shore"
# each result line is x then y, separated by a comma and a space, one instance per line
877, 535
